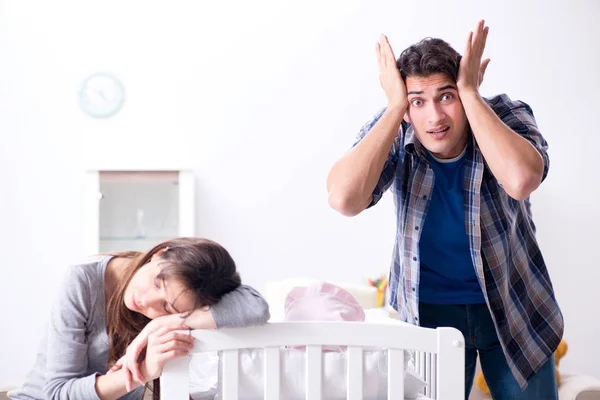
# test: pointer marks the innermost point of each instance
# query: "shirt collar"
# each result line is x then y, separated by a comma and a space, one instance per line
412, 144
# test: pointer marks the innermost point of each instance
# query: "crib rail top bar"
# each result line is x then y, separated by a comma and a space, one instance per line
384, 335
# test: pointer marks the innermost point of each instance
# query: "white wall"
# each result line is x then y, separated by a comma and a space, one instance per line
260, 98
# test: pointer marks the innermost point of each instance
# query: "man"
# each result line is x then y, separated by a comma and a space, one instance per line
461, 169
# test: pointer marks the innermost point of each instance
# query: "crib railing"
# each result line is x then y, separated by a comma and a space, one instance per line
439, 357
314, 368
426, 367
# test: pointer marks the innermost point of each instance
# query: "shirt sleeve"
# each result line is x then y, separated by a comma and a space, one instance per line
518, 116
242, 307
389, 168
67, 348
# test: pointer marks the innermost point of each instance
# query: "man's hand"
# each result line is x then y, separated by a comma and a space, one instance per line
389, 75
472, 69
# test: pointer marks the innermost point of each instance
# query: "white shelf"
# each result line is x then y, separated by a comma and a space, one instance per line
158, 204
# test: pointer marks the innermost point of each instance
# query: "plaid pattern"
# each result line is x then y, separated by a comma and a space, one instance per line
506, 256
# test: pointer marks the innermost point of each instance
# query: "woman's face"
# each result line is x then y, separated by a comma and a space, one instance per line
152, 296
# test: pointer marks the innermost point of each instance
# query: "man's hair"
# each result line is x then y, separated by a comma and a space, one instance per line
427, 57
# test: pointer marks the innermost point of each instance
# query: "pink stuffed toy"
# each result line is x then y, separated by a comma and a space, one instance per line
322, 301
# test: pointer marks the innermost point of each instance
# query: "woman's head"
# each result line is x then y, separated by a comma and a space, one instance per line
179, 276
176, 276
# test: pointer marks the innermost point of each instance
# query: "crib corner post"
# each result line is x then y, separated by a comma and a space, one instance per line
175, 379
451, 352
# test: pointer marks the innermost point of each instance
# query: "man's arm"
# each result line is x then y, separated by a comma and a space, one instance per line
514, 161
353, 178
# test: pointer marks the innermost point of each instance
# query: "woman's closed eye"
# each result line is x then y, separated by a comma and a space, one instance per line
160, 284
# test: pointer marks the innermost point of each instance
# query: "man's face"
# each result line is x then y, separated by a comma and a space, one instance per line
436, 114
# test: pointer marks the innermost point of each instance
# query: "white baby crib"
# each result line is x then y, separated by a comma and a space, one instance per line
439, 357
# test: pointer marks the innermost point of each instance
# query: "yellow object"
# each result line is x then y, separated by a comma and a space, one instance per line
560, 352
381, 286
380, 297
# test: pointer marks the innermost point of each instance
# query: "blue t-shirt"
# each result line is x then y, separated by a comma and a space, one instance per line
447, 272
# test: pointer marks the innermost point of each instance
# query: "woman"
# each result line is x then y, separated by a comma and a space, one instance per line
114, 300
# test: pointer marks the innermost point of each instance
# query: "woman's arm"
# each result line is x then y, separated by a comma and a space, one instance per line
242, 307
67, 348
112, 386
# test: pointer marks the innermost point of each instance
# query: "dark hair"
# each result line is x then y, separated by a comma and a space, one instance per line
201, 265
427, 57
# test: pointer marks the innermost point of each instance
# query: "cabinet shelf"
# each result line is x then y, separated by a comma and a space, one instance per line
133, 210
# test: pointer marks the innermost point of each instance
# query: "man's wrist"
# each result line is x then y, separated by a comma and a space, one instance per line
399, 107
469, 94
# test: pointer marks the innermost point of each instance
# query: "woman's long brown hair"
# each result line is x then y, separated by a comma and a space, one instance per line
203, 266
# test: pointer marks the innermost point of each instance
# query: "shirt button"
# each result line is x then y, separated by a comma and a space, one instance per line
425, 196
413, 289
414, 258
416, 228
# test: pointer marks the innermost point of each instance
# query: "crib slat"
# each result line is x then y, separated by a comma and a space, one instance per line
271, 373
230, 360
354, 374
175, 379
395, 381
433, 376
428, 365
422, 366
314, 374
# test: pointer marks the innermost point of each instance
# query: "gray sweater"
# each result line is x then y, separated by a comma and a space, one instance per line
75, 347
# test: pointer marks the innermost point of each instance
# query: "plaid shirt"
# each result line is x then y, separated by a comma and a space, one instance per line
504, 251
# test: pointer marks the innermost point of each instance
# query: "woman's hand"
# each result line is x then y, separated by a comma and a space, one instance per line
118, 365
130, 361
164, 345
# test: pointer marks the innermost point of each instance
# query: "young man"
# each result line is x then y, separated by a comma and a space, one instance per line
462, 168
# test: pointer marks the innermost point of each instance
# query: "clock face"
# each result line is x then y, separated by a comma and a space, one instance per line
101, 95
